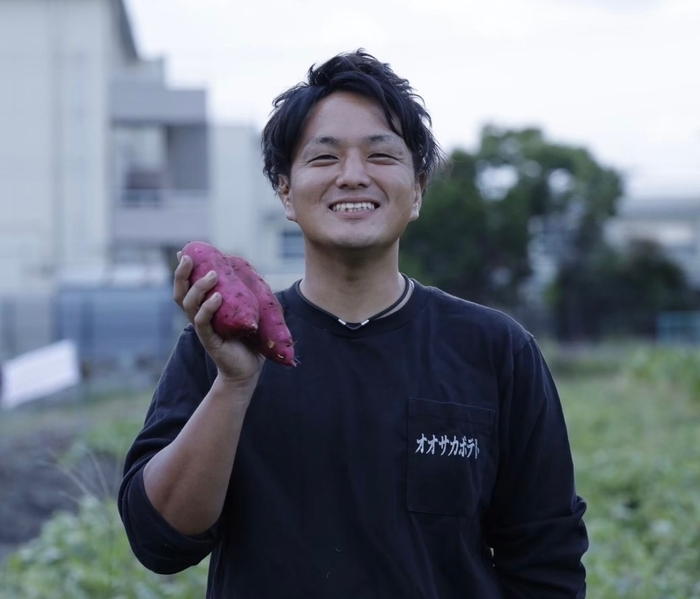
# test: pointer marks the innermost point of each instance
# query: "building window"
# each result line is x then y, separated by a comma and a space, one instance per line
292, 244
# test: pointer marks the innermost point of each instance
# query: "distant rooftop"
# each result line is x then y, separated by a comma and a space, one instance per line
125, 29
661, 207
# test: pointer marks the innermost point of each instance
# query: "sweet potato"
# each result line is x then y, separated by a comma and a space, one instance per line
273, 339
238, 313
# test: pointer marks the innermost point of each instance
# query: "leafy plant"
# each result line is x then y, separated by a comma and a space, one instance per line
634, 437
676, 369
86, 556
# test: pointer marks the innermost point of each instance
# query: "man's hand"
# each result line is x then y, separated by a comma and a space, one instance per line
236, 361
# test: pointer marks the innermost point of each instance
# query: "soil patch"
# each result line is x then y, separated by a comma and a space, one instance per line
35, 482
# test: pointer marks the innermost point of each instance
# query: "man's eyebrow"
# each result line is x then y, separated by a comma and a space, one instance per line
329, 140
323, 140
381, 137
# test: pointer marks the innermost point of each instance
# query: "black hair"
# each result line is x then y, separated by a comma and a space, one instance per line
360, 73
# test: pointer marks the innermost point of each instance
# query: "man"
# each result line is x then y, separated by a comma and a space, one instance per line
418, 449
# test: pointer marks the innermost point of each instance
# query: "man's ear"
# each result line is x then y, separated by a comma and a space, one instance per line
284, 193
419, 190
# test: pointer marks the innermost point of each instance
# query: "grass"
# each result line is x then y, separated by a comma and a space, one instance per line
635, 437
81, 416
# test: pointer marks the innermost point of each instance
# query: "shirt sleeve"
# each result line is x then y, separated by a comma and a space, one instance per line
186, 379
534, 524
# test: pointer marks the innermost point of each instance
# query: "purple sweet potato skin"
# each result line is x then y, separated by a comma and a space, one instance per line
273, 339
238, 314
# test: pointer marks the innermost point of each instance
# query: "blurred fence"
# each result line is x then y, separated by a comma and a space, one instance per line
117, 324
678, 328
123, 335
26, 323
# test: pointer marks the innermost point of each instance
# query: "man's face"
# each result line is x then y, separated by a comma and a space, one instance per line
352, 184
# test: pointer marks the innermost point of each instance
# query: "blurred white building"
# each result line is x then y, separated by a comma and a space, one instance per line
107, 172
672, 223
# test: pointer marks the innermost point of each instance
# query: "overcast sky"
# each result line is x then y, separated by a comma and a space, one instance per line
621, 77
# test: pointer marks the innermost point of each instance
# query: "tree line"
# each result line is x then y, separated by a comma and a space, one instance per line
520, 225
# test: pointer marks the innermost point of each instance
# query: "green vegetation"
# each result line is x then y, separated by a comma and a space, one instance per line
634, 421
86, 556
635, 438
481, 218
619, 292
84, 416
522, 203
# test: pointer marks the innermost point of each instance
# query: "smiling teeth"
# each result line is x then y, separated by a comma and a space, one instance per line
353, 206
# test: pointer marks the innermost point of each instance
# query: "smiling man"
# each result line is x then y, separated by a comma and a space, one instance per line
418, 450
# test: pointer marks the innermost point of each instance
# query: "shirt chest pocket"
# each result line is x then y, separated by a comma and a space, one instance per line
450, 447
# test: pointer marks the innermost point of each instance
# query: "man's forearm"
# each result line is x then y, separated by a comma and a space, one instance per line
187, 481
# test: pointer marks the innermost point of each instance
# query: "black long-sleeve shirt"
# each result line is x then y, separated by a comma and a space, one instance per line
424, 455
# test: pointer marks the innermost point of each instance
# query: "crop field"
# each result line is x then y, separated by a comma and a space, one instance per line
636, 440
633, 413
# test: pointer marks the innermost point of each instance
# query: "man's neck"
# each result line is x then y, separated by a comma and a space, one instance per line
353, 290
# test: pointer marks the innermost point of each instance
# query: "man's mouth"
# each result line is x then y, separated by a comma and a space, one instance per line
353, 206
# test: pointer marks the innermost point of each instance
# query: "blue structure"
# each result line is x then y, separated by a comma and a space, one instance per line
125, 325
678, 328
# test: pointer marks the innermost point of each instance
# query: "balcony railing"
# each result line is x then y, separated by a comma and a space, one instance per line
161, 198
157, 217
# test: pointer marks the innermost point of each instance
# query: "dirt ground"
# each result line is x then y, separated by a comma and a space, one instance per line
34, 481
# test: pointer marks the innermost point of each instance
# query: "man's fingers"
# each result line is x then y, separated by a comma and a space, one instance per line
197, 294
202, 319
191, 298
181, 279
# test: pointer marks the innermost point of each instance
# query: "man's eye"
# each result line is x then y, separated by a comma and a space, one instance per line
382, 156
323, 157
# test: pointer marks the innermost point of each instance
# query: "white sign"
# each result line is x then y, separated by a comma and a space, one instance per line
39, 373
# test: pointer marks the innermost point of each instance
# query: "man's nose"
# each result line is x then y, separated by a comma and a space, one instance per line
353, 172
